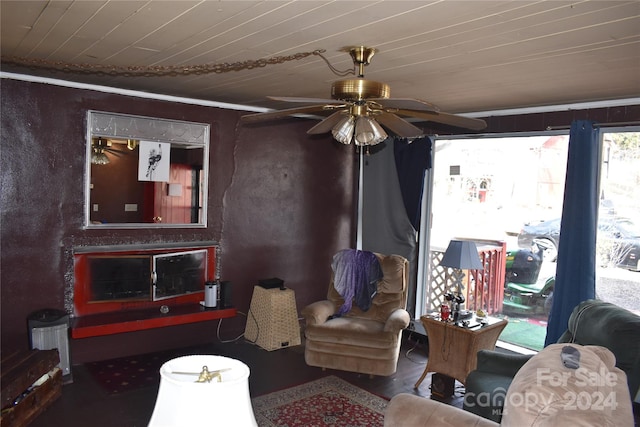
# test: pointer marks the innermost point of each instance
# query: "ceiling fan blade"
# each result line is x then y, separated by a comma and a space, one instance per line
270, 115
446, 118
406, 104
114, 151
302, 100
398, 125
327, 124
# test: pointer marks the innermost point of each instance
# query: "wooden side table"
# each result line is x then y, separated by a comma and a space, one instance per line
453, 349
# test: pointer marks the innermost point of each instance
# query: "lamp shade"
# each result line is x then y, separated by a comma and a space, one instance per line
462, 254
182, 401
99, 158
343, 131
368, 131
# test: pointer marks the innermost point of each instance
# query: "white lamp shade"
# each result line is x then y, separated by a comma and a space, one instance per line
343, 131
184, 402
368, 131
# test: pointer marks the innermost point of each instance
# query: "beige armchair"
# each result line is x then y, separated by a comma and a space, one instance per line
368, 341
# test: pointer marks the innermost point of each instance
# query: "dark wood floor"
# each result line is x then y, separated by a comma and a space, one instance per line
85, 403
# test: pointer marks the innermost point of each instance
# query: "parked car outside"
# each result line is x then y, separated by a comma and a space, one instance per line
618, 241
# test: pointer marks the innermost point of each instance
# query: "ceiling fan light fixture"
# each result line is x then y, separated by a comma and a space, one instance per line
343, 130
368, 131
98, 157
370, 105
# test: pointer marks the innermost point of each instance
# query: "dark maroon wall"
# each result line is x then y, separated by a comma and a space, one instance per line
623, 115
280, 204
620, 115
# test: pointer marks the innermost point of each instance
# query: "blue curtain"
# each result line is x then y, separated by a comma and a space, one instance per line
575, 270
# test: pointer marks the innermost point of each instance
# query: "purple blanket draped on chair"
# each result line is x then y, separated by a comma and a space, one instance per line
356, 276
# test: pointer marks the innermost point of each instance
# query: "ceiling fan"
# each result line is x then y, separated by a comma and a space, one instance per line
101, 146
361, 106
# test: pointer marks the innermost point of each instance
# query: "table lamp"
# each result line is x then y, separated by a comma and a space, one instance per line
203, 390
460, 255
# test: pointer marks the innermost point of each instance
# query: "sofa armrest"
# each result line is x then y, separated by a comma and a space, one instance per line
408, 410
398, 320
318, 312
501, 363
566, 337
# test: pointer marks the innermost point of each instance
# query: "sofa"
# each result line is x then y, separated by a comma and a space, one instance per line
363, 341
592, 322
563, 385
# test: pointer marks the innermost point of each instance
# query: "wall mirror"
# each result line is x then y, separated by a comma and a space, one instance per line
144, 172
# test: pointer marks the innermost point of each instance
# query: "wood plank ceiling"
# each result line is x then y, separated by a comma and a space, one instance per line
463, 56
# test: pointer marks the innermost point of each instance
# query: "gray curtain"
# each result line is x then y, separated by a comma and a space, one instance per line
386, 227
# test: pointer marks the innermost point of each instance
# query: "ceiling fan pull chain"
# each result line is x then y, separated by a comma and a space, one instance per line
333, 69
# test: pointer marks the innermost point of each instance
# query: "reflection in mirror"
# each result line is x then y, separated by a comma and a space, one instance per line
145, 172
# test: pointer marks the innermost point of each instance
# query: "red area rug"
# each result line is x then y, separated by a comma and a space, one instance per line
329, 401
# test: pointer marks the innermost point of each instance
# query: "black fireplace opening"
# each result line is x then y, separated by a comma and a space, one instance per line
146, 277
120, 278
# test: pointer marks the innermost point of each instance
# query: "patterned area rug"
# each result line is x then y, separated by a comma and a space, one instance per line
130, 373
329, 401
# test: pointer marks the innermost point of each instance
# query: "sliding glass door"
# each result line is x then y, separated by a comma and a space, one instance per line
618, 239
505, 193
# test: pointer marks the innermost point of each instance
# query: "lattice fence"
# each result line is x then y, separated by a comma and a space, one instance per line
439, 285
482, 288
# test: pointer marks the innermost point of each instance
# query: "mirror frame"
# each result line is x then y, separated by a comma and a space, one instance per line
126, 126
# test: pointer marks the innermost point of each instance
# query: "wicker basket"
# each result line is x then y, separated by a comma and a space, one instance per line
272, 322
